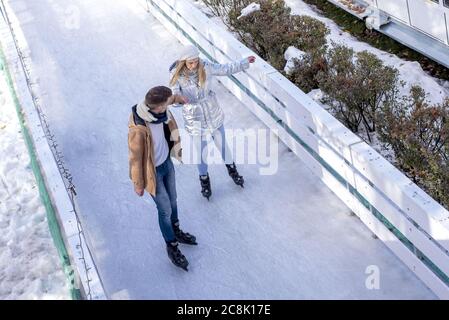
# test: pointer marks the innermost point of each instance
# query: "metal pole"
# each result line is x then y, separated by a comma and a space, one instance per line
408, 11
447, 28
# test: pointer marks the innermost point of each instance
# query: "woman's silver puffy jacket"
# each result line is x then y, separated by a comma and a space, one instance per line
202, 114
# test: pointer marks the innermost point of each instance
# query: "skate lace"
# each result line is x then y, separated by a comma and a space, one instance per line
178, 254
233, 173
181, 234
232, 169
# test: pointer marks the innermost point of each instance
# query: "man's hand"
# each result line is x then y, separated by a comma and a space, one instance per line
183, 99
139, 191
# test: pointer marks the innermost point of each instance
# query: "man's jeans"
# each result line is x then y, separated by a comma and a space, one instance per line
165, 198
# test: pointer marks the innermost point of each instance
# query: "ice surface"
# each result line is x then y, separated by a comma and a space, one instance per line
284, 236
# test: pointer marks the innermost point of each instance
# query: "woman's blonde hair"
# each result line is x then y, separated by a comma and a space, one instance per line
181, 69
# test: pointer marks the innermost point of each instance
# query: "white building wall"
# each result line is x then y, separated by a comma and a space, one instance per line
428, 16
395, 8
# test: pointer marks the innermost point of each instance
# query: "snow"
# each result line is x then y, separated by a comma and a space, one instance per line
252, 7
284, 236
410, 71
290, 55
29, 264
204, 9
317, 95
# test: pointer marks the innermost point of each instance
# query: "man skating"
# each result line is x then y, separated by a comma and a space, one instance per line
153, 136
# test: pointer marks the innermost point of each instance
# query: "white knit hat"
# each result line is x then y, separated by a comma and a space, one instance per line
190, 52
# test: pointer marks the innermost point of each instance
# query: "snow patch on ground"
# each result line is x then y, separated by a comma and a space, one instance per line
290, 55
317, 95
253, 7
29, 264
203, 7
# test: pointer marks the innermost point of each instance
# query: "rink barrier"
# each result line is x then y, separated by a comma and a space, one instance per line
409, 222
55, 232
65, 227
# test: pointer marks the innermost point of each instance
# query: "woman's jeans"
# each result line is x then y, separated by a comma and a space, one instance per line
220, 141
165, 199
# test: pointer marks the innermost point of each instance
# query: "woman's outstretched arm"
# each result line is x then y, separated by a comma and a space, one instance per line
226, 69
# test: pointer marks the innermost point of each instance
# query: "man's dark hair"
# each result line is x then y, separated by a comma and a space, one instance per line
157, 96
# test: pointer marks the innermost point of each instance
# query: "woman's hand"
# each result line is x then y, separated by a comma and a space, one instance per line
251, 59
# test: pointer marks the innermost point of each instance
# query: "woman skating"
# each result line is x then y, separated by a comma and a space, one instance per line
191, 78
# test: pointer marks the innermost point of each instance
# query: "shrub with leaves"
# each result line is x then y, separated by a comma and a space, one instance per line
338, 86
272, 29
419, 135
436, 181
221, 8
305, 70
309, 33
356, 85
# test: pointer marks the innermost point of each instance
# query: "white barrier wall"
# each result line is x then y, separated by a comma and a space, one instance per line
87, 277
368, 184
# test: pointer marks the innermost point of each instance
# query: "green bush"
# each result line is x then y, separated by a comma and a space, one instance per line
309, 34
418, 133
222, 8
356, 85
272, 29
436, 182
305, 70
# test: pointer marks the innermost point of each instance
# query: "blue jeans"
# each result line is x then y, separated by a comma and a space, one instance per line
219, 138
165, 199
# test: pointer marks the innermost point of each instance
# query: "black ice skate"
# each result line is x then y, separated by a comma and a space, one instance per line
183, 237
176, 256
233, 173
205, 186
